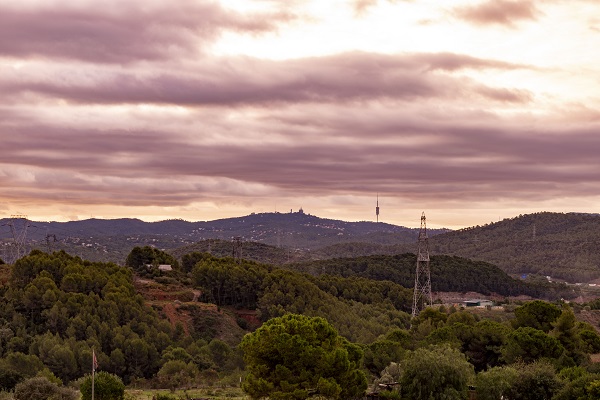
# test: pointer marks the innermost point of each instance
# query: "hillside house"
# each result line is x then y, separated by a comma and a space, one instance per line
161, 267
478, 303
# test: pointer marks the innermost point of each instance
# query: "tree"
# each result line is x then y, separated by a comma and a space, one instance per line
578, 387
139, 257
535, 381
436, 373
381, 353
566, 332
496, 383
188, 261
40, 388
177, 373
483, 343
536, 314
530, 344
295, 356
106, 387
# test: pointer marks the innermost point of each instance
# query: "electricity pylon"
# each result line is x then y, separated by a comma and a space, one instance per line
422, 294
50, 238
18, 226
237, 249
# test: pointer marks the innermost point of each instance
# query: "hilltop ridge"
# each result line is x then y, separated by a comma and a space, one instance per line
112, 240
562, 246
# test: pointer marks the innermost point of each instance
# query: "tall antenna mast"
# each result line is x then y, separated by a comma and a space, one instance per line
422, 295
377, 208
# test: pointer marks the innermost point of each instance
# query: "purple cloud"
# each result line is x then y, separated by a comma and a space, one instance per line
123, 33
500, 12
396, 152
235, 81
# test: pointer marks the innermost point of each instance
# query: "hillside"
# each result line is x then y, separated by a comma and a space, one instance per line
563, 246
448, 274
111, 240
59, 311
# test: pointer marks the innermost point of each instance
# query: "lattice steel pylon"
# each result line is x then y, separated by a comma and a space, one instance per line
422, 294
237, 249
18, 226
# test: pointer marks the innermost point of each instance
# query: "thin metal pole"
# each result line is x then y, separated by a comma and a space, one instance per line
93, 371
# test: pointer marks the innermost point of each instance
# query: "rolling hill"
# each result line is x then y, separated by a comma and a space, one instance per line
562, 246
112, 240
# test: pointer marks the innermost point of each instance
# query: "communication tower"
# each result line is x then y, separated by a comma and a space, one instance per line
18, 224
422, 295
377, 208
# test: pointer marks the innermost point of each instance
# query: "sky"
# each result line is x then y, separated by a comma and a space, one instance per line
471, 111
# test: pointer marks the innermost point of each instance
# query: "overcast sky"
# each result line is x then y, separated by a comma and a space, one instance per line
471, 111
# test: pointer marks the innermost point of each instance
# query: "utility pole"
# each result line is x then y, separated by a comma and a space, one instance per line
422, 294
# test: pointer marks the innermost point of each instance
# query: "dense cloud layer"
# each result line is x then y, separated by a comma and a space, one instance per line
129, 106
338, 78
122, 32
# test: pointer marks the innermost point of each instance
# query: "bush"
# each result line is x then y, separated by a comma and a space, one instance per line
106, 387
40, 388
6, 396
161, 396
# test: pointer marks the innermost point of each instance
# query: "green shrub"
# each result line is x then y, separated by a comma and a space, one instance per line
40, 388
106, 387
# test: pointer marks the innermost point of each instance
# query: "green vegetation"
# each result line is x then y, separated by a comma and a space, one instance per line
563, 246
58, 307
106, 387
141, 259
40, 388
296, 357
436, 373
341, 321
448, 274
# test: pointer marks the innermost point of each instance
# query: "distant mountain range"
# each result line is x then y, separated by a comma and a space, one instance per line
112, 240
562, 246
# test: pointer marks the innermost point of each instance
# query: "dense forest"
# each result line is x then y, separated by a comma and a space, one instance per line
448, 274
58, 308
563, 246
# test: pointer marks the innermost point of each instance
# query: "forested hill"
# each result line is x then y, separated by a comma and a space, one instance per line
112, 240
448, 274
563, 246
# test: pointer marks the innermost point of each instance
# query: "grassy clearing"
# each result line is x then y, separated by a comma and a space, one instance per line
206, 393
